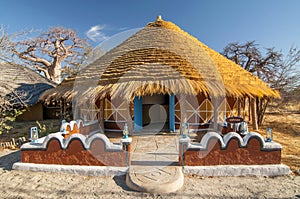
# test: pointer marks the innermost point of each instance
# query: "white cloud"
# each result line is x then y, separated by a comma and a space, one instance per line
96, 34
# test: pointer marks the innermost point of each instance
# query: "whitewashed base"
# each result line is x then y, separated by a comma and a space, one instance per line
72, 169
238, 170
219, 170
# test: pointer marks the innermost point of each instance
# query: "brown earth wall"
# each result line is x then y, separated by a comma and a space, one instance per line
232, 155
75, 154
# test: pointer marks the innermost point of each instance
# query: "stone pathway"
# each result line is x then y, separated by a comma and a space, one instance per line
154, 166
157, 150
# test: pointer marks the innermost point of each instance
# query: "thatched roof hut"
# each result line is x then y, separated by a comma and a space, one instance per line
23, 80
161, 59
25, 85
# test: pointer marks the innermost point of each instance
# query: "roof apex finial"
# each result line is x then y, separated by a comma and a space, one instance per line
159, 18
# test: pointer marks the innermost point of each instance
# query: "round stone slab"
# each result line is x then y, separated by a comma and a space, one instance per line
155, 179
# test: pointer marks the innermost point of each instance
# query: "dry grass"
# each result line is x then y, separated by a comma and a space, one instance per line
286, 131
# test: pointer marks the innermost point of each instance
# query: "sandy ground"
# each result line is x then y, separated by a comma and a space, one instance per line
24, 184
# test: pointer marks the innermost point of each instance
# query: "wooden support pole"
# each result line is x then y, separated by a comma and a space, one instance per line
253, 114
101, 114
61, 109
239, 111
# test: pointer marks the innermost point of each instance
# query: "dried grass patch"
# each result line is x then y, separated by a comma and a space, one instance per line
286, 131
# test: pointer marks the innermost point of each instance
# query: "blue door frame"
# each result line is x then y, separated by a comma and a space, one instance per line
172, 112
138, 113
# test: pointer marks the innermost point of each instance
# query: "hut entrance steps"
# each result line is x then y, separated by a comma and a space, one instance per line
154, 165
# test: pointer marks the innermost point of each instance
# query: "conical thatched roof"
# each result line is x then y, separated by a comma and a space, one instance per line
26, 83
162, 59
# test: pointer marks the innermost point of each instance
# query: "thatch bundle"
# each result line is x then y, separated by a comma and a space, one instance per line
162, 59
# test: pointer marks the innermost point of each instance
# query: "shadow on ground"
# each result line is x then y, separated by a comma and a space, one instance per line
120, 180
7, 161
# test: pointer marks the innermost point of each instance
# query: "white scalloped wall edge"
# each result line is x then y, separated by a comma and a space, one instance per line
78, 124
243, 142
87, 142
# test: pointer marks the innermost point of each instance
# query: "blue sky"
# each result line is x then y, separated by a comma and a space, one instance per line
272, 23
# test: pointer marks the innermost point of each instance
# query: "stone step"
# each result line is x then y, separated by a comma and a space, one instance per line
155, 179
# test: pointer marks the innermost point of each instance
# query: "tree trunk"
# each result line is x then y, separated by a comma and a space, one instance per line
55, 72
262, 105
254, 114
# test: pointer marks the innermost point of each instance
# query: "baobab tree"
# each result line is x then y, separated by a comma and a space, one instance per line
51, 53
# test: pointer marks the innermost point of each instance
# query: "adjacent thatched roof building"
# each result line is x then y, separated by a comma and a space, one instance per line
23, 81
24, 87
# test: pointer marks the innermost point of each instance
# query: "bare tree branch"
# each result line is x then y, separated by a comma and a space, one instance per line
51, 51
11, 105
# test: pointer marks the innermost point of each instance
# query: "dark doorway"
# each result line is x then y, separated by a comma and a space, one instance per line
156, 112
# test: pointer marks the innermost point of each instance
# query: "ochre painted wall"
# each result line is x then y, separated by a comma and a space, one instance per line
76, 154
232, 155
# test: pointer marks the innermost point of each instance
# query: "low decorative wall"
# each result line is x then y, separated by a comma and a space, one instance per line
231, 149
77, 149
